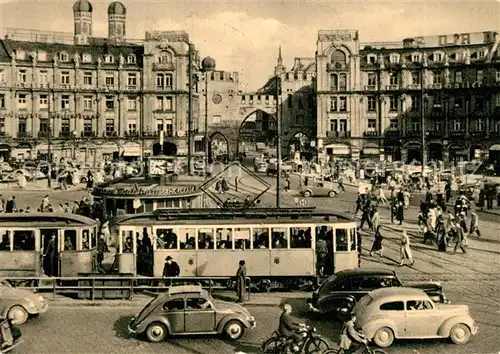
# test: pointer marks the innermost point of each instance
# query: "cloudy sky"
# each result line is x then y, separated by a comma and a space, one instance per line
244, 36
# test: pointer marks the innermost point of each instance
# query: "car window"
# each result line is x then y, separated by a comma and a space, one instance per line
356, 283
387, 282
174, 305
341, 285
393, 306
416, 305
198, 303
371, 283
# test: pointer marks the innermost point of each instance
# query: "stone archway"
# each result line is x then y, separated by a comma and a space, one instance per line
168, 149
477, 151
5, 152
257, 127
457, 152
435, 151
218, 147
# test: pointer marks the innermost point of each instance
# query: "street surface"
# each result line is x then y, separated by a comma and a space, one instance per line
471, 279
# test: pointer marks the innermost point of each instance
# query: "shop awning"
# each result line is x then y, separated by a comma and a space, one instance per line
338, 149
43, 148
132, 150
5, 147
108, 148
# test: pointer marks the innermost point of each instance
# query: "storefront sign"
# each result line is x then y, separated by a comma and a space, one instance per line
137, 191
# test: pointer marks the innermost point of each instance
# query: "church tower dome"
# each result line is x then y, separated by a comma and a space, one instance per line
116, 20
82, 17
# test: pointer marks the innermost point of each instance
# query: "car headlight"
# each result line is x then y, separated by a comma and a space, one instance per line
29, 302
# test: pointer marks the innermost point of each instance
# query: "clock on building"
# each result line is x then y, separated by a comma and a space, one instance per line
217, 98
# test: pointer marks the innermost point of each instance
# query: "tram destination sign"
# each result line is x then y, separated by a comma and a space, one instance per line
137, 191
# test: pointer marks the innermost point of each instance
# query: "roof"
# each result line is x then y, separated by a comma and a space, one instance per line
396, 293
82, 6
42, 219
117, 8
365, 271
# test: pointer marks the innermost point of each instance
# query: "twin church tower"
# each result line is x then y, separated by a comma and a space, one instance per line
82, 10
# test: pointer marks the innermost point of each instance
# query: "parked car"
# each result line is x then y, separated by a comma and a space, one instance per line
319, 189
190, 309
19, 304
339, 293
408, 313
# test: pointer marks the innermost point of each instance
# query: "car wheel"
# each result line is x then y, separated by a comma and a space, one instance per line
156, 332
234, 330
384, 337
460, 334
332, 194
307, 194
18, 315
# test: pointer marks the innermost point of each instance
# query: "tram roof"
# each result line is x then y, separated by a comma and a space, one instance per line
44, 220
224, 216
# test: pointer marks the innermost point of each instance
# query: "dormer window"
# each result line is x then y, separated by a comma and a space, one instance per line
131, 59
415, 58
437, 57
109, 59
371, 59
165, 58
42, 56
394, 58
481, 54
20, 55
63, 57
86, 58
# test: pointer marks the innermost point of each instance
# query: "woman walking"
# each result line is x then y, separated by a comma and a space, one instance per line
377, 244
405, 249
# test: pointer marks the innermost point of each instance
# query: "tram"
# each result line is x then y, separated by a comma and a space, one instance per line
279, 246
24, 238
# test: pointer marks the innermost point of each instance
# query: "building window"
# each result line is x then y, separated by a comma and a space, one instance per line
110, 127
465, 38
44, 102
65, 102
169, 127
21, 76
63, 57
109, 59
2, 101
110, 79
479, 104
44, 125
343, 104
20, 55
132, 103
371, 104
372, 80
393, 103
342, 82
443, 40
343, 125
168, 80
372, 124
216, 119
2, 76
415, 103
289, 100
393, 124
86, 58
415, 58
43, 77
163, 80
65, 77
394, 58
87, 127
131, 59
457, 125
338, 56
42, 56
132, 80
458, 77
87, 103
21, 101
438, 126
479, 125
2, 126
132, 128
333, 125
333, 104
65, 127
159, 125
393, 79
371, 59
415, 78
459, 103
415, 125
165, 58
110, 103
437, 56
87, 78
333, 82
436, 76
22, 125
479, 76
163, 103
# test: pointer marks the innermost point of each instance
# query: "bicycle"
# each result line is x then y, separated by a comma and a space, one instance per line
312, 343
366, 350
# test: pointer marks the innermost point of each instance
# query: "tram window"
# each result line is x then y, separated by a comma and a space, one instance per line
341, 240
69, 240
324, 233
224, 239
260, 238
148, 206
127, 241
187, 238
24, 240
85, 240
242, 239
278, 236
5, 241
354, 236
93, 239
176, 203
166, 239
300, 237
206, 239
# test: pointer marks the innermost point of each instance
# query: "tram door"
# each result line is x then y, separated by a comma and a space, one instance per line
71, 262
324, 251
127, 251
50, 252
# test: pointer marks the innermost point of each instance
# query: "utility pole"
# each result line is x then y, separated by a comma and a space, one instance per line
190, 106
278, 140
422, 114
49, 142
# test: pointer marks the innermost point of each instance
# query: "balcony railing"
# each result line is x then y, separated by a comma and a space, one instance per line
336, 66
391, 87
338, 135
392, 134
371, 134
43, 134
414, 87
132, 134
370, 87
24, 134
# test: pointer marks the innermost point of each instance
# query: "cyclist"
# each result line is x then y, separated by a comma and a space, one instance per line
351, 337
290, 325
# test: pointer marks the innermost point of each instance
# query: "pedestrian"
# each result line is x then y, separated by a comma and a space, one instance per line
102, 247
321, 255
375, 220
340, 181
406, 199
241, 276
359, 203
50, 257
365, 217
170, 270
405, 249
2, 204
105, 231
236, 180
459, 236
46, 206
441, 234
474, 224
447, 191
90, 180
10, 206
359, 242
377, 243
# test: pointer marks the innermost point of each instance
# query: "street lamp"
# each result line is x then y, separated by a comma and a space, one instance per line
207, 65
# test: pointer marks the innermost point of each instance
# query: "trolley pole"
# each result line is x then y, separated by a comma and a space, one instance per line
278, 141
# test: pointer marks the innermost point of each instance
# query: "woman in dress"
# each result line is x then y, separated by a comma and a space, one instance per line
405, 249
377, 244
